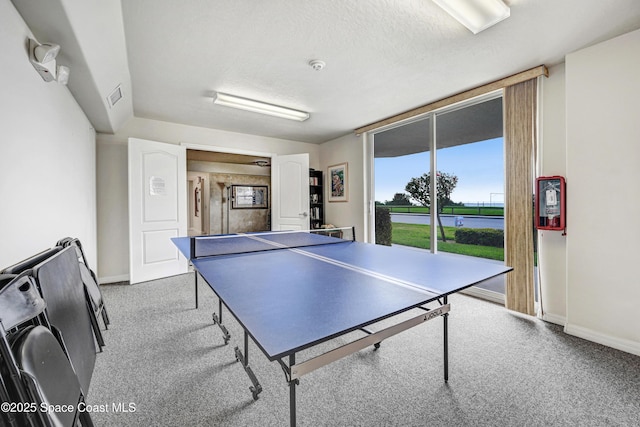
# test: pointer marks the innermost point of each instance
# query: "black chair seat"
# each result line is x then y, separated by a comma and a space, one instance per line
48, 375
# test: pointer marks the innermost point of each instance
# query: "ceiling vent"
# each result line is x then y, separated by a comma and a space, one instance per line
115, 96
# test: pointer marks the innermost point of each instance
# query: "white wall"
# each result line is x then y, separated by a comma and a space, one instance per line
348, 148
113, 211
112, 185
47, 155
552, 160
603, 158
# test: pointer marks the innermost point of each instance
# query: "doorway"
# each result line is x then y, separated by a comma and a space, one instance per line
159, 206
214, 181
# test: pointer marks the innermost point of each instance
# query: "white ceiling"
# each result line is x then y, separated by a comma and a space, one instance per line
383, 57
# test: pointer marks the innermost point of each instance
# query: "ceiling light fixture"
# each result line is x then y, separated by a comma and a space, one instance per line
259, 107
476, 15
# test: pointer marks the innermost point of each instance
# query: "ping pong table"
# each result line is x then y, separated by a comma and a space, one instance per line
291, 291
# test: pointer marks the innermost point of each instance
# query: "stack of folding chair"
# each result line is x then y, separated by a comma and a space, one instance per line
49, 309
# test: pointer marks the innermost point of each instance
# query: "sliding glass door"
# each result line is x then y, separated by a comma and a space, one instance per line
459, 152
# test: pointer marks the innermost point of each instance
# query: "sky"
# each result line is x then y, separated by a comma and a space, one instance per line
478, 166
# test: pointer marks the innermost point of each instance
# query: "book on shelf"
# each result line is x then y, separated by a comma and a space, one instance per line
315, 213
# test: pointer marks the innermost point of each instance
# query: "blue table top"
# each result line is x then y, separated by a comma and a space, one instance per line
292, 299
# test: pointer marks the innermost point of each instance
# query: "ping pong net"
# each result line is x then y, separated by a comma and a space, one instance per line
229, 244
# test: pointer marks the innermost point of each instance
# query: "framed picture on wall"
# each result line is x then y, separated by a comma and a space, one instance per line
338, 180
249, 197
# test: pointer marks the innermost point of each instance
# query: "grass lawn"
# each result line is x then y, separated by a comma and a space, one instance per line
451, 210
418, 235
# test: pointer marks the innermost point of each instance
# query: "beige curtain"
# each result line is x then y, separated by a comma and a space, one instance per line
520, 105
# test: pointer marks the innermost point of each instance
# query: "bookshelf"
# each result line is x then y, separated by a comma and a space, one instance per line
316, 199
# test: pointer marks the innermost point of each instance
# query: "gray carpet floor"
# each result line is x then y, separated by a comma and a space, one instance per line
165, 364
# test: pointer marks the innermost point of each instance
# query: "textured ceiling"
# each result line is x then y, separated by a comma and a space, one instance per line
383, 57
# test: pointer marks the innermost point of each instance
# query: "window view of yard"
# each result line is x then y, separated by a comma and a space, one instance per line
469, 185
418, 236
439, 184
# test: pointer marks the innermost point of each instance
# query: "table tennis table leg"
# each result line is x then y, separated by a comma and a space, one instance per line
196, 288
217, 319
292, 394
445, 318
256, 389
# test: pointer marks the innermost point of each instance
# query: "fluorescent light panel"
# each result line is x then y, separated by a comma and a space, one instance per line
476, 15
259, 107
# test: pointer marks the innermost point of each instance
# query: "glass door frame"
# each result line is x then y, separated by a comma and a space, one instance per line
369, 160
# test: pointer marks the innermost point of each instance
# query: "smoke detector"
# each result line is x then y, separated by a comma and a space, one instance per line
316, 64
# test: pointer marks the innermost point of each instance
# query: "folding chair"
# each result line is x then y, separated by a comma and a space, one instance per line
94, 295
20, 304
49, 379
60, 284
31, 261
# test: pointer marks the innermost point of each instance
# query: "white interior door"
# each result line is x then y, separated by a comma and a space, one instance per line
290, 192
157, 209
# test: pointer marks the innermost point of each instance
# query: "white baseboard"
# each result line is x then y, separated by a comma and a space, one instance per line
113, 279
628, 346
554, 318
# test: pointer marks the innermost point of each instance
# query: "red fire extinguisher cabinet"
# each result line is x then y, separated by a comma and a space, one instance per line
550, 203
